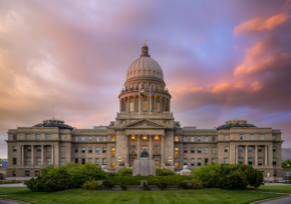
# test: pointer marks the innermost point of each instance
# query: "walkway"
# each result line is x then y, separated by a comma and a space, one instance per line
13, 185
285, 200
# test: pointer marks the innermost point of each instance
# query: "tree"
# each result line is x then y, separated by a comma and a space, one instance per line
286, 164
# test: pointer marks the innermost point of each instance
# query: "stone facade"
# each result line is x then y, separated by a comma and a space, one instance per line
144, 121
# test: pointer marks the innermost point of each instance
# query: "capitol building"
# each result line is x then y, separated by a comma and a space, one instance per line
144, 121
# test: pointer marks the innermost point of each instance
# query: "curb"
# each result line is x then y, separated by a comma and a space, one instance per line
261, 201
16, 201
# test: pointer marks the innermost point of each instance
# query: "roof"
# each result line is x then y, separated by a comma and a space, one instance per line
54, 123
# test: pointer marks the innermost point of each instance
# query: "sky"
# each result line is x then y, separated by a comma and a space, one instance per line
222, 59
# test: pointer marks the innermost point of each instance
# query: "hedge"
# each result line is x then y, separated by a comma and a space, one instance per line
152, 180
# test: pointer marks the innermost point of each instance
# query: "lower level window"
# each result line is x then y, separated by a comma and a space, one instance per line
37, 173
90, 160
27, 173
185, 161
260, 161
192, 162
83, 161
104, 161
240, 160
76, 160
226, 160
48, 161
176, 165
250, 161
97, 161
199, 162
13, 173
63, 161
213, 161
205, 161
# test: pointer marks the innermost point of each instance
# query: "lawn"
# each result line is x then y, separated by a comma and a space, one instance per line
14, 190
217, 196
281, 189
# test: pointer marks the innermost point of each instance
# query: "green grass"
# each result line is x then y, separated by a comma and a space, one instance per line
14, 190
281, 189
207, 196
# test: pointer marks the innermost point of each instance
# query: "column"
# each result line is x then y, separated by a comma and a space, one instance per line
162, 151
139, 104
246, 154
148, 104
150, 146
120, 105
128, 105
270, 155
266, 155
164, 105
138, 146
134, 103
126, 160
52, 157
32, 155
256, 155
22, 155
42, 154
155, 104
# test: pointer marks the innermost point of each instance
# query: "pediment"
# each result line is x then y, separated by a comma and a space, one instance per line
144, 123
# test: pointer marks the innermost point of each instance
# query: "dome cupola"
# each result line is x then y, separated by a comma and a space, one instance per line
235, 123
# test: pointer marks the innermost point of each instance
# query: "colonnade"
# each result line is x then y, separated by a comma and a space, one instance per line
33, 161
267, 154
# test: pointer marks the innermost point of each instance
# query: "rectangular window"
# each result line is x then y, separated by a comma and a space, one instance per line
83, 161
241, 137
250, 149
104, 139
48, 161
83, 139
27, 173
28, 161
104, 161
240, 160
14, 149
37, 137
225, 149
90, 139
274, 162
38, 161
199, 150
260, 161
103, 149
132, 147
37, 173
176, 138
251, 137
261, 137
226, 160
274, 137
192, 150
76, 149
176, 152
47, 137
112, 164
83, 149
274, 148
14, 137
97, 139
63, 137
275, 173
176, 165
97, 161
13, 173
90, 150
38, 149
206, 150
192, 139
63, 161
240, 149
225, 137
192, 161
213, 138
97, 150
76, 160
113, 152
185, 139
205, 161
250, 161
199, 162
29, 148
90, 160
48, 148
185, 161
199, 139
76, 139
14, 161
259, 149
213, 150
63, 149
213, 161
186, 150
206, 139
113, 138
27, 137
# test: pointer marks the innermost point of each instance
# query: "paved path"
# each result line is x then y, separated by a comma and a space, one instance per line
13, 185
7, 202
286, 200
277, 184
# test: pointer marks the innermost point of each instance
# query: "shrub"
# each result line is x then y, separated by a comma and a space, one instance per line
123, 186
205, 174
111, 174
124, 172
146, 187
91, 185
164, 172
195, 184
183, 185
107, 184
162, 185
286, 164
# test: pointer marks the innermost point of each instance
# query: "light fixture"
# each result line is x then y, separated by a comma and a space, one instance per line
145, 138
156, 137
119, 159
170, 159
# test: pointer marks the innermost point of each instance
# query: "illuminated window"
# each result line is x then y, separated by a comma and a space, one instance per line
113, 152
97, 139
176, 165
176, 152
133, 137
176, 138
113, 138
113, 164
156, 137
144, 137
27, 173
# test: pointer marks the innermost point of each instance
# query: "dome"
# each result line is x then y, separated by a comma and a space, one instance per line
235, 123
54, 123
145, 66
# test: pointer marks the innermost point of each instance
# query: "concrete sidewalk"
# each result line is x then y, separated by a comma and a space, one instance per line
13, 185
